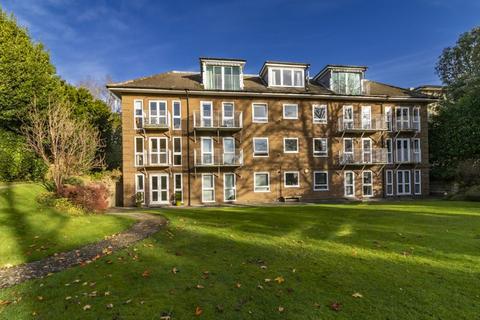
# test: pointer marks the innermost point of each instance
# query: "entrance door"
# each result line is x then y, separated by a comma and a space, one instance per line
159, 188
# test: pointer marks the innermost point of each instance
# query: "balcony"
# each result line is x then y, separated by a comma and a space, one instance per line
218, 122
157, 123
159, 159
406, 125
408, 157
359, 157
377, 123
218, 158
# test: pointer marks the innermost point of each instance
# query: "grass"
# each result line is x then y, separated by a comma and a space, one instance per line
407, 260
29, 231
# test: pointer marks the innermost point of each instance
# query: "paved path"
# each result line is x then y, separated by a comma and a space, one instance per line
147, 225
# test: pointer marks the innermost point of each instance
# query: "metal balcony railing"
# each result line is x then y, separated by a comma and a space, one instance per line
218, 122
157, 122
376, 123
154, 159
362, 157
408, 157
406, 125
218, 158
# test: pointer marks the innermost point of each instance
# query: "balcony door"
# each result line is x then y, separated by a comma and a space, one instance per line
402, 118
348, 117
367, 150
158, 151
206, 115
207, 150
348, 150
159, 188
366, 117
403, 150
228, 150
228, 111
158, 113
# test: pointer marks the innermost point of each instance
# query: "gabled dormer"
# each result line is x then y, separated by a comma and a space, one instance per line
284, 74
222, 74
342, 79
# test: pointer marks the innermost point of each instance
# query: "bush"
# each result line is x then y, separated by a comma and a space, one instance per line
473, 193
468, 172
17, 162
51, 200
92, 197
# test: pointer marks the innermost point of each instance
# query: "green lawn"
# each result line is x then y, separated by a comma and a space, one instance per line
402, 260
29, 231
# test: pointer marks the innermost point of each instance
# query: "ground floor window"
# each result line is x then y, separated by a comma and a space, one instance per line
229, 187
417, 182
140, 188
261, 182
367, 183
291, 179
320, 181
389, 182
403, 182
208, 188
349, 183
178, 187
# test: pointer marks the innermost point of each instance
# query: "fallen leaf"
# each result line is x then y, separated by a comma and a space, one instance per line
146, 274
280, 279
199, 286
68, 298
5, 302
260, 287
263, 267
128, 301
357, 295
238, 285
198, 311
40, 298
87, 307
107, 293
109, 306
268, 280
175, 270
281, 309
335, 306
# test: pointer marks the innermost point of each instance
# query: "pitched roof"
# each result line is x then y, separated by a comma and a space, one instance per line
179, 80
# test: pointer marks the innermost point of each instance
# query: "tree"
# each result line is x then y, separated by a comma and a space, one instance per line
98, 89
67, 144
25, 72
454, 130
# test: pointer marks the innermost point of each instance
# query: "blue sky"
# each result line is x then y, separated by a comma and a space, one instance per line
399, 41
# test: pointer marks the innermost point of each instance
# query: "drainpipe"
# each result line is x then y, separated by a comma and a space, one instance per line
188, 148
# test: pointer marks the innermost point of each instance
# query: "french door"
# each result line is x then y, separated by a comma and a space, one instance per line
366, 117
228, 111
159, 188
207, 150
403, 182
206, 114
158, 151
348, 117
228, 150
158, 113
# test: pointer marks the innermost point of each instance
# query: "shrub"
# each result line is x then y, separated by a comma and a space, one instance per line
468, 172
473, 193
17, 162
93, 197
51, 200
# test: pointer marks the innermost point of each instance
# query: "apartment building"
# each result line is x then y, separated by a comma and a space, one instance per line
222, 136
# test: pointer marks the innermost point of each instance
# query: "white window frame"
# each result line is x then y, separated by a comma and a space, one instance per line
259, 120
135, 115
255, 181
388, 117
232, 153
174, 153
234, 188
416, 152
175, 187
232, 118
345, 185
367, 184
271, 82
319, 120
202, 153
203, 117
317, 186
253, 147
402, 153
350, 153
137, 189
158, 116
366, 125
159, 152
388, 142
367, 152
401, 123
296, 111
416, 120
404, 183
417, 182
222, 68
285, 179
290, 138
345, 119
316, 153
139, 153
389, 182
208, 189
179, 116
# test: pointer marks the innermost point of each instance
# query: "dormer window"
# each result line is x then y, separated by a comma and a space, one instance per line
342, 79
220, 74
346, 83
284, 74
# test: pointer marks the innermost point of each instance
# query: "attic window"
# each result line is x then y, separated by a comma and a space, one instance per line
286, 77
222, 77
346, 83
